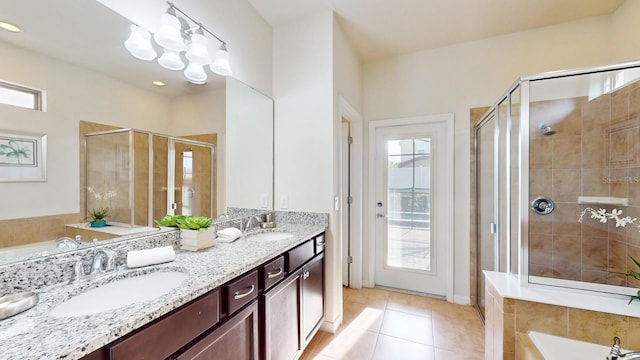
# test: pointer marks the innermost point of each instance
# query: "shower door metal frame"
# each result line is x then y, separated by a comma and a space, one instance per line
524, 83
170, 168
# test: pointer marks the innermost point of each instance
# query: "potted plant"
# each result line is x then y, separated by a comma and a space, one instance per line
193, 229
98, 216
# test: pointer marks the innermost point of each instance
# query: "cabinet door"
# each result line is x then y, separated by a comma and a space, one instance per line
312, 296
281, 332
167, 335
236, 339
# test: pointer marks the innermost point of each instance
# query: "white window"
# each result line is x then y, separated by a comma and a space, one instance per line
17, 95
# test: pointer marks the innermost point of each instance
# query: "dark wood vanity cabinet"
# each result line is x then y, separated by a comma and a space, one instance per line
236, 339
270, 312
312, 297
293, 310
168, 334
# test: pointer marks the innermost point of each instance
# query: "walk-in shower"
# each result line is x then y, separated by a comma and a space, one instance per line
141, 176
531, 188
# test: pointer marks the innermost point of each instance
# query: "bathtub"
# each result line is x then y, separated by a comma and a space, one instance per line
553, 347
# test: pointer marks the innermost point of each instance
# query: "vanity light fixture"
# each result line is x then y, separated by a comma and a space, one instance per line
9, 27
180, 42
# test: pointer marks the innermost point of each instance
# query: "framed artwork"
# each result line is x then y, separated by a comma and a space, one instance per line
23, 156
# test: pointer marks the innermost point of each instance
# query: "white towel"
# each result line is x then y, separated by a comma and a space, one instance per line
229, 234
138, 258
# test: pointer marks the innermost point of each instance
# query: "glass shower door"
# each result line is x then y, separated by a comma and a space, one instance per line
486, 225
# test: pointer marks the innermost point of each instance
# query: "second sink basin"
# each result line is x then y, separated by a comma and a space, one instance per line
120, 293
269, 236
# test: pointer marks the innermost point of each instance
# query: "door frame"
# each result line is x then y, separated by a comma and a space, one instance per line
447, 187
345, 110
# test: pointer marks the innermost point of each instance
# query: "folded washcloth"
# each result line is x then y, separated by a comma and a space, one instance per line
229, 234
138, 258
199, 246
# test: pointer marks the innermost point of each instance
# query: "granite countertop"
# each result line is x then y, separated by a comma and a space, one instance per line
34, 334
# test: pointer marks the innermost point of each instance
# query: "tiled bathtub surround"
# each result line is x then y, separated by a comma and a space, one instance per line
512, 310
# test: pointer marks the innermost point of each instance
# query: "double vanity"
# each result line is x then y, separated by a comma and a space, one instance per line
260, 297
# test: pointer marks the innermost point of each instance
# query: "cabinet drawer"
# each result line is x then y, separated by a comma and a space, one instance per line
241, 291
301, 255
165, 336
272, 272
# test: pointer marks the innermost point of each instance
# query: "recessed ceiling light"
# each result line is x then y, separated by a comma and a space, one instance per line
158, 83
9, 27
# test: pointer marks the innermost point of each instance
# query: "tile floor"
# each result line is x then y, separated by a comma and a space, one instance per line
387, 325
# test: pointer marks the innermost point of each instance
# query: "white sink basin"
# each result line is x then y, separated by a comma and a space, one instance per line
120, 293
270, 236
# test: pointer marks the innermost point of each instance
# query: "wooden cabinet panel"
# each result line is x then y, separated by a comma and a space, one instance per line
241, 291
236, 339
167, 335
272, 272
320, 244
312, 296
281, 327
300, 255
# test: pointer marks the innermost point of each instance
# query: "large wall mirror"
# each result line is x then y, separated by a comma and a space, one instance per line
73, 51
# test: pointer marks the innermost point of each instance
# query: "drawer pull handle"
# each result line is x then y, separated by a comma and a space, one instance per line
320, 243
272, 274
239, 295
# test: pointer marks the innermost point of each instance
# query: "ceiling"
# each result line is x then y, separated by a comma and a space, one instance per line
385, 28
376, 29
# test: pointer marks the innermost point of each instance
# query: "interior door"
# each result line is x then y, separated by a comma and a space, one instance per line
411, 234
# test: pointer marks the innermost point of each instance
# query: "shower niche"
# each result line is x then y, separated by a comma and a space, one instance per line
554, 147
141, 176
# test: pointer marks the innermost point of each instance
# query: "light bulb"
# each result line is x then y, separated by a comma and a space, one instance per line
221, 64
195, 73
171, 60
169, 36
197, 51
139, 44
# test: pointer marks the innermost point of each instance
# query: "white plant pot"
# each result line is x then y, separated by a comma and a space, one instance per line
197, 240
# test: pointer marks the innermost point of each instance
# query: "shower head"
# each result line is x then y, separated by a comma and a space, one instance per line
546, 130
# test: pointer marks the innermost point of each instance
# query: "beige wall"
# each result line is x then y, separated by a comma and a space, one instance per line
459, 77
72, 94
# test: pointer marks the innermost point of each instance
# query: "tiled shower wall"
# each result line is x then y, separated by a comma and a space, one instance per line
594, 152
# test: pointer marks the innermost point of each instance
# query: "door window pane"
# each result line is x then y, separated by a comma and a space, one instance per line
409, 204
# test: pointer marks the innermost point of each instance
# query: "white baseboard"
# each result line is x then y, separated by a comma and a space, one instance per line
366, 284
462, 300
331, 327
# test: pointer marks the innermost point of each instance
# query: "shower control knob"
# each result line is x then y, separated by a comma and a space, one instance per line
542, 205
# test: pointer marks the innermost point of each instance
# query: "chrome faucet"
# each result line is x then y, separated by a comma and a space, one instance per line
616, 354
68, 243
104, 262
258, 220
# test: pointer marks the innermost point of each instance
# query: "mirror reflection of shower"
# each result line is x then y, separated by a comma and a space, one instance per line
546, 130
187, 182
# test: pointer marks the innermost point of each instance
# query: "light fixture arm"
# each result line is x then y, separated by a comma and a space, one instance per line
174, 7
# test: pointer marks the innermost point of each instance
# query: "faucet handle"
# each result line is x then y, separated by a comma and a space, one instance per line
615, 352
